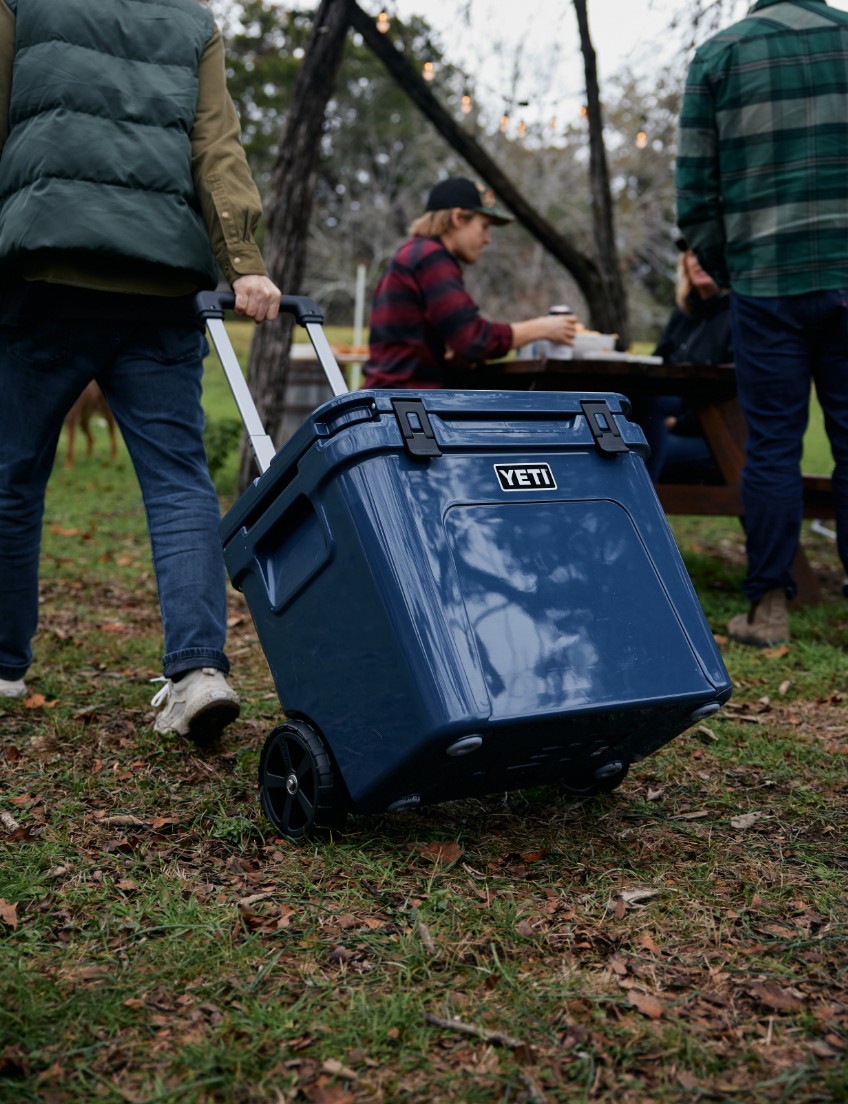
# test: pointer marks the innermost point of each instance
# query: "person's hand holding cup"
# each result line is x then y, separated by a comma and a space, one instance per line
563, 325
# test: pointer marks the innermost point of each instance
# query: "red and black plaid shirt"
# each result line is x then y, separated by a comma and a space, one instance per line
420, 310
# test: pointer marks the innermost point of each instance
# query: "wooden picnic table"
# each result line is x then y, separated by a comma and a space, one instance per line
711, 391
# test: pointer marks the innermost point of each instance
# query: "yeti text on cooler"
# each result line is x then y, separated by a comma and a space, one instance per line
524, 477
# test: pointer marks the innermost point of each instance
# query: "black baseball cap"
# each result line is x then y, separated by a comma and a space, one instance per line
459, 191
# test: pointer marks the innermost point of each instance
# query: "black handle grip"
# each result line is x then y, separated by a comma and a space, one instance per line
213, 304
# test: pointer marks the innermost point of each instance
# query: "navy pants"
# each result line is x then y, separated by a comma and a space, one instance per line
151, 377
783, 346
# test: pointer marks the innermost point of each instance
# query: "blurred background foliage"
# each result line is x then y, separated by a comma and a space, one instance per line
380, 156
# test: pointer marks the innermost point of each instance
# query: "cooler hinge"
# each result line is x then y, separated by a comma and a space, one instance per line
418, 436
606, 433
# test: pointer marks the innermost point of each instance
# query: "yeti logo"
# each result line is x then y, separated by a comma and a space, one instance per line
525, 477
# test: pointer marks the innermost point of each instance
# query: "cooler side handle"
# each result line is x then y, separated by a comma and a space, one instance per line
210, 306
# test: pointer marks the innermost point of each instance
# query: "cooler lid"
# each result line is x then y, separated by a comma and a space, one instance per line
428, 423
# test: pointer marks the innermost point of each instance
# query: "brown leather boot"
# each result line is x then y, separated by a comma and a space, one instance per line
764, 624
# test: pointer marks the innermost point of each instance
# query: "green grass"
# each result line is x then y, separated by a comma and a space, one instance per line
165, 945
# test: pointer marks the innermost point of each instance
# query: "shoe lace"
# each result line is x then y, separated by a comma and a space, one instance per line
162, 693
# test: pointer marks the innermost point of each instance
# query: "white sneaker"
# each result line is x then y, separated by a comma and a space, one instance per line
13, 688
199, 706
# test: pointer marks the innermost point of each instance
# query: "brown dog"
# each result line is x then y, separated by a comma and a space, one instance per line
90, 403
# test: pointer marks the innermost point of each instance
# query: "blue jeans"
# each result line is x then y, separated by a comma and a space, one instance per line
781, 346
151, 377
675, 456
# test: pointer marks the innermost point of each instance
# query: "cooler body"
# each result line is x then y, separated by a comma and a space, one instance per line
466, 592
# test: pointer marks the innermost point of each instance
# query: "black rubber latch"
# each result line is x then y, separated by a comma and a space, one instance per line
418, 436
606, 433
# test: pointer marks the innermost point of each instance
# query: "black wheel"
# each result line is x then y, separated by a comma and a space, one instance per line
298, 783
591, 781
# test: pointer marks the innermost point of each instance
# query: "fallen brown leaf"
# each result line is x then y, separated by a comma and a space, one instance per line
122, 820
284, 916
706, 732
647, 941
9, 913
746, 820
774, 996
334, 1067
328, 1094
38, 701
634, 896
649, 1006
444, 851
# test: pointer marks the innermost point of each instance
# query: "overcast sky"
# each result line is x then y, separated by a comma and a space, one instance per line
630, 33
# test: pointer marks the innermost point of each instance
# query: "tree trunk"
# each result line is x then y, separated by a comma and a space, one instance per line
289, 203
602, 213
605, 312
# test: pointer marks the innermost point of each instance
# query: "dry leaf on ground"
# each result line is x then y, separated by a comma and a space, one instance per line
9, 913
649, 1006
746, 820
444, 851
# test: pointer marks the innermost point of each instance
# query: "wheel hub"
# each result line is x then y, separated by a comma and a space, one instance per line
291, 784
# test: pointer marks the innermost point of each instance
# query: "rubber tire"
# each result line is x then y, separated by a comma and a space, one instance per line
299, 789
593, 786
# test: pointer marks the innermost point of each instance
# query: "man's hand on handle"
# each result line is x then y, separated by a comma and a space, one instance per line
257, 297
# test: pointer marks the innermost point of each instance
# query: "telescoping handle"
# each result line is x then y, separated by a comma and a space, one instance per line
211, 306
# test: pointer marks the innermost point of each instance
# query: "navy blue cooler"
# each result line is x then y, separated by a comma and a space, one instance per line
462, 592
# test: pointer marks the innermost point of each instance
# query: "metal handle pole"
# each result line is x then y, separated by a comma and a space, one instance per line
260, 443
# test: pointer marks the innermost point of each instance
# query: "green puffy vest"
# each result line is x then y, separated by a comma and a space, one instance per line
98, 158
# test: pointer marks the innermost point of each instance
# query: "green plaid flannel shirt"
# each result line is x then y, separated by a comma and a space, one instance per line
762, 165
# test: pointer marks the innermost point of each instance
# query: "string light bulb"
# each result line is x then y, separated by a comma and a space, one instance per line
466, 104
428, 71
641, 140
504, 122
522, 129
383, 22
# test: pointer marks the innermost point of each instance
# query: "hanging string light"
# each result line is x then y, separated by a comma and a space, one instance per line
641, 140
429, 73
383, 22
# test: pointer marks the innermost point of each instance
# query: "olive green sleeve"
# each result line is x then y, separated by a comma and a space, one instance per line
229, 199
7, 57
